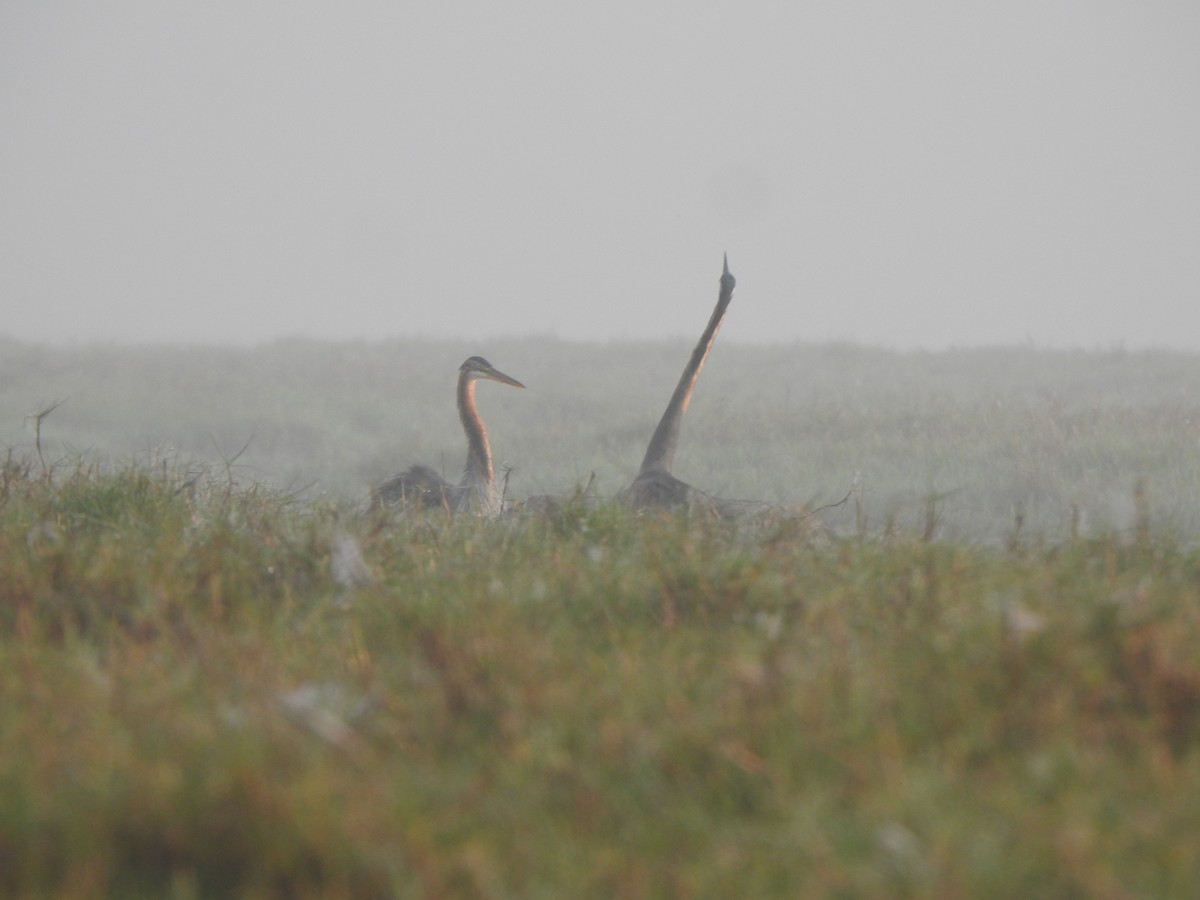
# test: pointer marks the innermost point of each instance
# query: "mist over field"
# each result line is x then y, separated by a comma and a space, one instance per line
269, 236
978, 439
244, 250
924, 175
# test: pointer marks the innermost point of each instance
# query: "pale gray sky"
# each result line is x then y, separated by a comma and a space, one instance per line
913, 173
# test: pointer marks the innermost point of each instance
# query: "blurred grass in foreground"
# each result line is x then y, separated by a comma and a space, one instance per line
211, 689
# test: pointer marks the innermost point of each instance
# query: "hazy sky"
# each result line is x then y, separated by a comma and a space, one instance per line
917, 174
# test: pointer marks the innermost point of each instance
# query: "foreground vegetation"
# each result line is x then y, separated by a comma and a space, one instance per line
210, 688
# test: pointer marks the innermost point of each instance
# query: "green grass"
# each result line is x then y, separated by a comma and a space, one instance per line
194, 703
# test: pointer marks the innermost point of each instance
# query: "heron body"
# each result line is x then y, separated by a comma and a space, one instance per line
656, 485
477, 491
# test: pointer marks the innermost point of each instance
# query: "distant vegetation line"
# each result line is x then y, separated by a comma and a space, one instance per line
1050, 439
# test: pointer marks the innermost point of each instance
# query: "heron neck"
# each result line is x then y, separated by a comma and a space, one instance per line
478, 471
660, 454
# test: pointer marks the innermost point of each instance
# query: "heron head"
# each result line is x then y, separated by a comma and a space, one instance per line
727, 280
478, 367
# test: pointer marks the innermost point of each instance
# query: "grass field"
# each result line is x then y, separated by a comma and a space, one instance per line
1058, 439
219, 677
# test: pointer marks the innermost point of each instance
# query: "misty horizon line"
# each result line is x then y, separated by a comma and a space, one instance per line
949, 348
